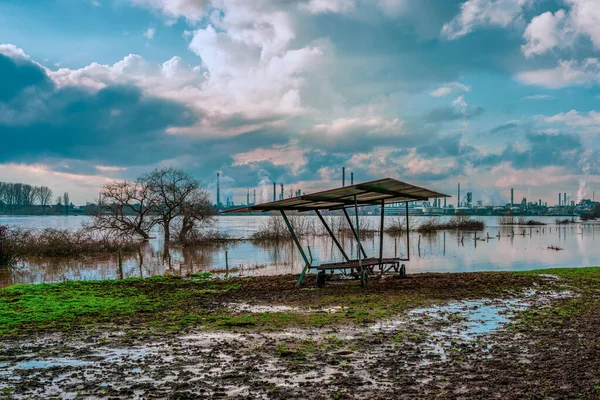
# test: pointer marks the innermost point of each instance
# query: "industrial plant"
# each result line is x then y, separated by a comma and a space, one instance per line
463, 205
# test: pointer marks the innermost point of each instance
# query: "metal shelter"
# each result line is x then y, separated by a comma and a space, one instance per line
379, 192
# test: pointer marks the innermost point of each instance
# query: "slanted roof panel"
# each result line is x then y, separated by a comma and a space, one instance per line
387, 190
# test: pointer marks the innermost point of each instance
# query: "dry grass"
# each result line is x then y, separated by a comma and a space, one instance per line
18, 243
274, 228
206, 237
459, 222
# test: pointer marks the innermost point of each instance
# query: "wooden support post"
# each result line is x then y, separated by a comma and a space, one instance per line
339, 246
354, 232
381, 232
307, 263
120, 264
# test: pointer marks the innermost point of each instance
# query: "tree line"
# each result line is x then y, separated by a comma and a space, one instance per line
167, 197
21, 198
24, 195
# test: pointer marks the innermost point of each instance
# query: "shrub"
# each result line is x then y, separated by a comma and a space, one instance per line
461, 222
198, 237
21, 242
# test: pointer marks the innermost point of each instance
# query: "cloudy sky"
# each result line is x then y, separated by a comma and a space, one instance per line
490, 93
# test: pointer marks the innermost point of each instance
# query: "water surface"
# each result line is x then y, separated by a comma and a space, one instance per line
507, 249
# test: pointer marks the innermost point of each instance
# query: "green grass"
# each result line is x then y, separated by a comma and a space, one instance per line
166, 302
163, 304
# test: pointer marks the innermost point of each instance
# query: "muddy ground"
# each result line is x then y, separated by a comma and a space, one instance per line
533, 337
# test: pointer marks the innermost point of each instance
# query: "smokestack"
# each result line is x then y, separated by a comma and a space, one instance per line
248, 197
512, 197
254, 202
352, 178
444, 202
343, 176
281, 195
218, 191
564, 199
458, 199
274, 191
559, 202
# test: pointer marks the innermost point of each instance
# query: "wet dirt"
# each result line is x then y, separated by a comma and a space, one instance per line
465, 348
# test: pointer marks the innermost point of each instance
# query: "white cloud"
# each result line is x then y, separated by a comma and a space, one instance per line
328, 6
373, 125
567, 73
149, 33
283, 155
562, 29
482, 13
539, 97
249, 71
449, 88
574, 118
544, 32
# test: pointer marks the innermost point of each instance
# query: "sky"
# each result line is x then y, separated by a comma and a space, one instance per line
494, 94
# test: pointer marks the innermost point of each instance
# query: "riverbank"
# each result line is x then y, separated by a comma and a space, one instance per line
510, 335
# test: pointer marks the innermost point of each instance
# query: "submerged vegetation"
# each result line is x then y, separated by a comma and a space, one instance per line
18, 243
511, 220
460, 222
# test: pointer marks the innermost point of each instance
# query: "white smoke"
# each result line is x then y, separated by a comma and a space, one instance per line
264, 184
492, 197
583, 182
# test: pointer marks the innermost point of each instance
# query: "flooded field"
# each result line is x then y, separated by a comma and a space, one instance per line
502, 248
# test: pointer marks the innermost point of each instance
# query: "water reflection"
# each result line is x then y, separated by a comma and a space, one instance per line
495, 248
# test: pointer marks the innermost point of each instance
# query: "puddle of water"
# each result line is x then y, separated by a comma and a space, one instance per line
49, 363
260, 308
467, 319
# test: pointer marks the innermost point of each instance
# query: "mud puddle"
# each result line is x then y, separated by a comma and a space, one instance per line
286, 364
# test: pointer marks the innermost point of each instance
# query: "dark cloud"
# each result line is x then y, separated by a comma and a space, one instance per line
509, 128
541, 150
117, 124
450, 113
445, 146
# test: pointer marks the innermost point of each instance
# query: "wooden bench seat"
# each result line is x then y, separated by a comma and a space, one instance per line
353, 264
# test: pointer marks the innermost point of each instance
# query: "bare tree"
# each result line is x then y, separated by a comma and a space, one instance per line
126, 208
44, 195
66, 202
196, 211
171, 190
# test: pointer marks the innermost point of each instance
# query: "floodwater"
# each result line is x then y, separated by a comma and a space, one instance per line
502, 248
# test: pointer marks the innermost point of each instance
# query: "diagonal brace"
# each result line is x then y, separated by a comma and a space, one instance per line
339, 246
355, 235
306, 262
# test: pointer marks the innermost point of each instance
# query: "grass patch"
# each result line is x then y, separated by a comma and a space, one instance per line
173, 303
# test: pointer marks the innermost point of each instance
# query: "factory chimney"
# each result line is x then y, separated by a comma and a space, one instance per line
559, 202
512, 197
218, 192
352, 178
248, 197
458, 199
254, 202
274, 191
281, 194
564, 199
343, 176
